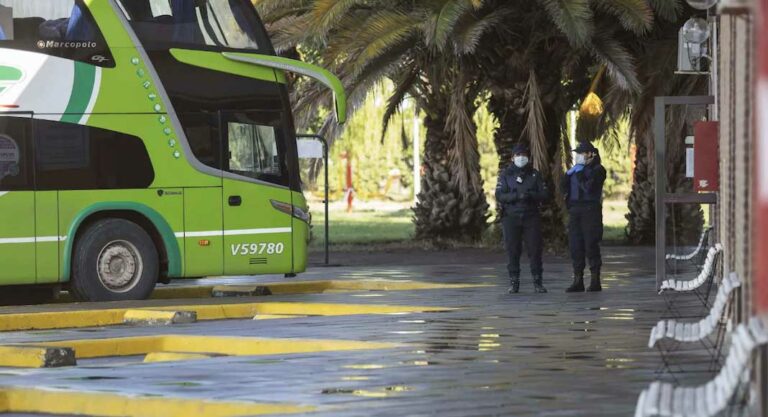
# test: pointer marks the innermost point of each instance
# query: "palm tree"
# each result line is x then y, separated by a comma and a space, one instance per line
535, 59
657, 58
366, 42
539, 65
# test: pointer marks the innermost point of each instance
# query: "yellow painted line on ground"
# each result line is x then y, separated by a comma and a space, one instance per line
215, 345
275, 316
158, 317
61, 319
109, 317
173, 357
20, 356
40, 401
310, 287
238, 311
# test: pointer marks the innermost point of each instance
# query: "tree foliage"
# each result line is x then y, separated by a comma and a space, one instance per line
532, 60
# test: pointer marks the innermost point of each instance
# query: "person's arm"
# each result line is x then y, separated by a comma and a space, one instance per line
540, 192
503, 193
594, 182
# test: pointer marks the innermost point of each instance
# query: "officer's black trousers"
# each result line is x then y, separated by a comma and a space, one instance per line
585, 231
519, 227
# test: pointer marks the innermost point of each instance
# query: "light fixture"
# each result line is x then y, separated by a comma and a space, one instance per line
693, 46
696, 30
701, 4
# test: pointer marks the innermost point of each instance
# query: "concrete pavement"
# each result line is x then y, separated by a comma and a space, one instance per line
554, 354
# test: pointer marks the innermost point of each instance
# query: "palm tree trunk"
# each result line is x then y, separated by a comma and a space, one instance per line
443, 212
641, 219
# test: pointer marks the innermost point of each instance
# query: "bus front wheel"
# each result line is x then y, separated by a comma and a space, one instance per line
114, 260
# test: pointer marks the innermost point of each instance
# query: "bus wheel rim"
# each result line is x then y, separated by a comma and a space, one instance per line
119, 266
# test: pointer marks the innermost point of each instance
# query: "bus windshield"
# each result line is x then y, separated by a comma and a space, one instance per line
196, 24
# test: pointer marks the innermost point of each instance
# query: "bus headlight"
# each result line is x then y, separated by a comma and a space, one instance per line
291, 210
301, 214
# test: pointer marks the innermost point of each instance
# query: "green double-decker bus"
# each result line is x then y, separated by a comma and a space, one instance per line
145, 140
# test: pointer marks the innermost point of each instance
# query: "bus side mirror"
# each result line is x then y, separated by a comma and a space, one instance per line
312, 71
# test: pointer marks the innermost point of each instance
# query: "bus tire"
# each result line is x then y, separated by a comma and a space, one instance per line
114, 260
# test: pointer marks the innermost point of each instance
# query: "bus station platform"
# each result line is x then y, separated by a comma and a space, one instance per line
401, 338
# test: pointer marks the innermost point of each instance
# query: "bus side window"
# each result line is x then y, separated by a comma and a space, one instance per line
256, 146
15, 154
75, 157
202, 131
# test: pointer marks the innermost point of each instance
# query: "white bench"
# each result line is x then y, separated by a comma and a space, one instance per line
677, 332
696, 252
707, 270
694, 332
700, 286
669, 400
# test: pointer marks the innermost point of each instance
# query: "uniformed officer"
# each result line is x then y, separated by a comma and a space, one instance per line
520, 190
583, 188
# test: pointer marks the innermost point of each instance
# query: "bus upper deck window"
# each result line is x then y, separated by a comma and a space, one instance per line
218, 24
6, 23
79, 28
62, 28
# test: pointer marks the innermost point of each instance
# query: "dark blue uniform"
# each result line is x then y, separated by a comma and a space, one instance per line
519, 191
583, 191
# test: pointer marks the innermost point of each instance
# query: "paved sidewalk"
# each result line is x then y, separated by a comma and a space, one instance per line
554, 354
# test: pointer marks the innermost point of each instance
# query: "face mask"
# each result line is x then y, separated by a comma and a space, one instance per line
580, 159
521, 161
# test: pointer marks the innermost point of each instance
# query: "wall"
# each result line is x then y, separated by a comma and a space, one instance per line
735, 104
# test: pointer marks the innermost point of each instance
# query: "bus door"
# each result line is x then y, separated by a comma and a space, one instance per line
17, 200
256, 196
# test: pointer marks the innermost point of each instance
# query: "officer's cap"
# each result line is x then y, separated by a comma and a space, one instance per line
585, 147
521, 149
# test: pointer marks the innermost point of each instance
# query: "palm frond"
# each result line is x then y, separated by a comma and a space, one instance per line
327, 13
667, 9
477, 4
535, 123
634, 15
440, 24
618, 60
272, 11
380, 33
464, 155
357, 83
404, 82
572, 17
470, 30
288, 32
269, 8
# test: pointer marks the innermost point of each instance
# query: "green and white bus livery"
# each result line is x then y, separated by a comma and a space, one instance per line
145, 140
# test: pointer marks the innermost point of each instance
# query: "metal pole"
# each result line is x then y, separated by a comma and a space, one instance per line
659, 131
326, 202
327, 229
416, 154
574, 121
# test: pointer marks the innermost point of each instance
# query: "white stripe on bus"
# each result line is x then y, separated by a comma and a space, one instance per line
94, 96
41, 239
239, 232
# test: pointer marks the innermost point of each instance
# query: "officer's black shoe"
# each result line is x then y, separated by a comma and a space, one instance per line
594, 284
578, 284
537, 285
514, 287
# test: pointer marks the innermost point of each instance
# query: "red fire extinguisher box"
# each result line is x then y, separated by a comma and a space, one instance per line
706, 157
